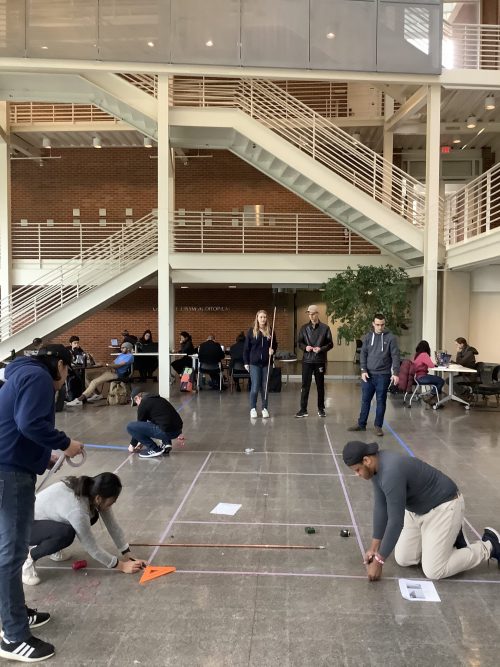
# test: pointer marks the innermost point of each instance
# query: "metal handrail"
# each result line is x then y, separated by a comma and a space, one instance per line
251, 233
313, 134
474, 209
148, 83
470, 46
71, 280
28, 113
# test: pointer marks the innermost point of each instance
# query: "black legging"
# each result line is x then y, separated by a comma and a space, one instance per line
180, 364
52, 536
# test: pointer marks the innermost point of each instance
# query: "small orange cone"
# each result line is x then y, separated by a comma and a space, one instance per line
152, 572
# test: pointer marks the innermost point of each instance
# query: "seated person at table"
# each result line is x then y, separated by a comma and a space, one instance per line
466, 354
69, 509
157, 419
129, 338
80, 357
118, 370
148, 364
34, 347
210, 353
421, 363
186, 347
236, 354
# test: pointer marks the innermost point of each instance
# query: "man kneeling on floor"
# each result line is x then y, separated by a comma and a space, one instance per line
157, 419
418, 512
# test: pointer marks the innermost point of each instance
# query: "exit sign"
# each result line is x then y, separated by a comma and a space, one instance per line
445, 149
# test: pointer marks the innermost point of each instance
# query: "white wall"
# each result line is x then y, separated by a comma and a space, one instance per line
456, 309
485, 312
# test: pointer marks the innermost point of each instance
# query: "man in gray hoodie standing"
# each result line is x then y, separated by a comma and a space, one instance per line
379, 360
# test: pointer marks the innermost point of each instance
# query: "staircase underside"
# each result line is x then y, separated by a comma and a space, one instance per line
233, 130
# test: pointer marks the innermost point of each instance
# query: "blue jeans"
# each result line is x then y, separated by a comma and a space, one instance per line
376, 384
143, 432
258, 380
437, 381
17, 502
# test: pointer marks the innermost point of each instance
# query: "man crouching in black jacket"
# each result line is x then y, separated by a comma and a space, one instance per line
157, 420
315, 339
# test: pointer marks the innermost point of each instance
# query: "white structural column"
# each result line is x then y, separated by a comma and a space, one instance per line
431, 237
164, 166
5, 236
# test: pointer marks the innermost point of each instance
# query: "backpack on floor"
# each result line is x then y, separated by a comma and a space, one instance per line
187, 379
119, 393
274, 380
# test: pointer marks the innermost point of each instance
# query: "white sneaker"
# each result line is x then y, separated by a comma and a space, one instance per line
95, 397
253, 413
74, 402
30, 575
59, 556
265, 413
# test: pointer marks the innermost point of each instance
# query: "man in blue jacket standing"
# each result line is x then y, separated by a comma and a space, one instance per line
27, 438
379, 361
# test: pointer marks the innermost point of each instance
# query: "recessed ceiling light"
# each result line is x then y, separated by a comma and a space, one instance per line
184, 287
457, 140
471, 122
151, 44
44, 48
232, 286
209, 43
489, 102
330, 35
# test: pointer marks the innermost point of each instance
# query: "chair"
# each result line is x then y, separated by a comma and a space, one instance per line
489, 384
237, 372
417, 395
204, 367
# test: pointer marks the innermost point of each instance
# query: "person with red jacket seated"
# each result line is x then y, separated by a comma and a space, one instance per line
421, 363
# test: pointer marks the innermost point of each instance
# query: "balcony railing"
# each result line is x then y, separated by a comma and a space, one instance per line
471, 46
272, 233
473, 210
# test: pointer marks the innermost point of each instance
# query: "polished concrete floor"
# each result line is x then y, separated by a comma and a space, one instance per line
265, 607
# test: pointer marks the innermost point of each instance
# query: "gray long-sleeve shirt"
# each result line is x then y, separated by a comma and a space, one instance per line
59, 503
404, 482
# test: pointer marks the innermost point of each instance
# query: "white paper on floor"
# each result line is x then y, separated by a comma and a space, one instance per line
420, 591
229, 509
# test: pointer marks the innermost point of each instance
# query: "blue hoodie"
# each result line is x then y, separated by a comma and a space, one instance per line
27, 418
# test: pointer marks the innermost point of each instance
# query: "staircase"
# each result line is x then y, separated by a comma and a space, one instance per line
307, 154
88, 281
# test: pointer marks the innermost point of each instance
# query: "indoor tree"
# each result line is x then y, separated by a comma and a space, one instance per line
353, 296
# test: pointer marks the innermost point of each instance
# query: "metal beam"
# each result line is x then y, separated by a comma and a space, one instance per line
411, 106
23, 146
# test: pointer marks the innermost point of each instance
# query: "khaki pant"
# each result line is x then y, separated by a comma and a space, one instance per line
429, 539
93, 385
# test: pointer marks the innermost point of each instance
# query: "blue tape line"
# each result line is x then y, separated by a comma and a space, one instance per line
120, 447
400, 440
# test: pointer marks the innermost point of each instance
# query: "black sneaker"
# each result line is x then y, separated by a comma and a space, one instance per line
31, 650
37, 618
461, 541
151, 453
301, 413
357, 427
493, 536
166, 449
321, 413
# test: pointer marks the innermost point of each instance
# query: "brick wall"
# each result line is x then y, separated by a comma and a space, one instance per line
84, 178
196, 312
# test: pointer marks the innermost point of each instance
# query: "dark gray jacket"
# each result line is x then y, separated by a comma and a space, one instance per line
380, 354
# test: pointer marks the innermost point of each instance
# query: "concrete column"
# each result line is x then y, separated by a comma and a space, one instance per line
5, 230
164, 169
431, 235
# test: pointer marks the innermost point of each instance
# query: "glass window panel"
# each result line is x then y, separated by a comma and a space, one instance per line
206, 32
275, 34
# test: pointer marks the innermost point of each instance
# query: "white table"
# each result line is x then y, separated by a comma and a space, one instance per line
286, 367
452, 370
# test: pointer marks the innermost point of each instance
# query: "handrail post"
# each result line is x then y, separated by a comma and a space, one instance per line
488, 201
202, 232
296, 233
466, 214
350, 241
243, 233
39, 245
62, 286
314, 137
251, 98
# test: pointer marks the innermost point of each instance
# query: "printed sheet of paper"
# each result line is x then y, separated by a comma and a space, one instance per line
418, 590
229, 509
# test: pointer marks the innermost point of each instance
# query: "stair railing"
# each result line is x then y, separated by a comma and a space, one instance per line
71, 280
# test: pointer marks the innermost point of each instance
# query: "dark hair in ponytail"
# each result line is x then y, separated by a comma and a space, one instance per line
106, 485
